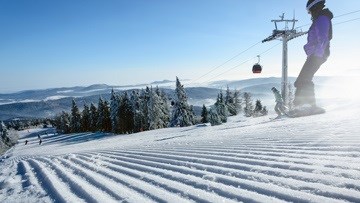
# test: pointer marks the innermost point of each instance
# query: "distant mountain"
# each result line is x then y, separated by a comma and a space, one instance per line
59, 93
162, 82
49, 102
49, 108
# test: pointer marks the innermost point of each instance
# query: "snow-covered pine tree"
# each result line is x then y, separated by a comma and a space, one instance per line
230, 103
94, 117
75, 120
5, 134
65, 123
258, 108
214, 118
204, 115
104, 121
129, 114
221, 108
120, 128
237, 102
182, 114
248, 109
107, 122
154, 116
125, 115
85, 119
101, 114
114, 106
158, 111
138, 114
164, 107
3, 129
144, 100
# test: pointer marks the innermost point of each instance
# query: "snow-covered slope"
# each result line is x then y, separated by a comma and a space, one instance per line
247, 159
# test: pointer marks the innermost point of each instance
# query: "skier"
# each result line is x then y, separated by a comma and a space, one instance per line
26, 141
280, 106
317, 50
40, 142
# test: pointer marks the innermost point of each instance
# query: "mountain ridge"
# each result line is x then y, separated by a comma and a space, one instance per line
49, 102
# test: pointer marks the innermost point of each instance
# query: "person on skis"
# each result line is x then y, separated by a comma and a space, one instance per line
317, 50
280, 106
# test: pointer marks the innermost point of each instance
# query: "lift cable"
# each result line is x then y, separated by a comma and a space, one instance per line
339, 16
263, 53
232, 58
252, 46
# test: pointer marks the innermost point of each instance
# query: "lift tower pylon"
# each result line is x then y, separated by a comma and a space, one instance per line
284, 35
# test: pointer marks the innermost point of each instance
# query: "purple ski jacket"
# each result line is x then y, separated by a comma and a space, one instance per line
319, 35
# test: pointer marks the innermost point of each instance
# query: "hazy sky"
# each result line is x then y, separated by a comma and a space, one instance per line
56, 43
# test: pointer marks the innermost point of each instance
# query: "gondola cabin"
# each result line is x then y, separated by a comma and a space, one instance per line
257, 69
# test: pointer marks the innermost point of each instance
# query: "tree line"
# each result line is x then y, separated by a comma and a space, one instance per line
230, 105
139, 110
150, 109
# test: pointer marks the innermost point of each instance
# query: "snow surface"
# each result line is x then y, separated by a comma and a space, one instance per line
308, 159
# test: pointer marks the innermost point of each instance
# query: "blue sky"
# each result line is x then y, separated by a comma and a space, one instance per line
59, 43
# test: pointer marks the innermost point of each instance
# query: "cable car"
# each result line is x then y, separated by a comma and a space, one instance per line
257, 68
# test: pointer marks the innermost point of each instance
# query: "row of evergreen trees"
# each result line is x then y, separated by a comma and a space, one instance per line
231, 105
148, 109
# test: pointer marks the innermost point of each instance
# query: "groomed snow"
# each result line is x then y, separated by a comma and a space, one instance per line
308, 159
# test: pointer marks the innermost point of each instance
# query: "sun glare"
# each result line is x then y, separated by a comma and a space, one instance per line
342, 87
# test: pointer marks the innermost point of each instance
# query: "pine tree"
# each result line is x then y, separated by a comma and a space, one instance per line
230, 102
214, 118
65, 123
104, 121
94, 117
138, 114
120, 128
85, 119
182, 114
157, 115
204, 115
107, 120
258, 108
248, 109
101, 115
164, 107
221, 108
125, 115
229, 98
144, 102
3, 129
75, 121
114, 106
129, 115
237, 102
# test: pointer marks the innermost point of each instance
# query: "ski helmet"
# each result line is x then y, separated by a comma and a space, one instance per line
312, 3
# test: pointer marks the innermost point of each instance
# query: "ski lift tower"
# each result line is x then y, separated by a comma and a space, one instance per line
285, 35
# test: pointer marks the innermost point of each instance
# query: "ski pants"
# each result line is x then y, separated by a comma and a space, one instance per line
305, 91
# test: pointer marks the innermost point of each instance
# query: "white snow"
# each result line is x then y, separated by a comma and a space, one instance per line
308, 159
65, 91
55, 97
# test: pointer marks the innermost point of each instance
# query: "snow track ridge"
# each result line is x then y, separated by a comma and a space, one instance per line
171, 168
